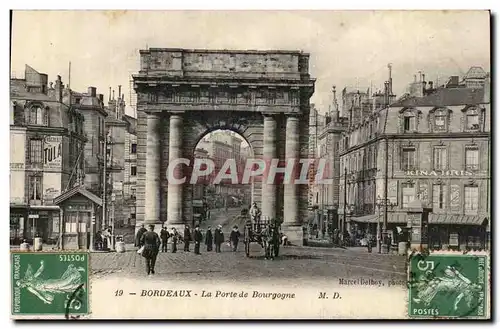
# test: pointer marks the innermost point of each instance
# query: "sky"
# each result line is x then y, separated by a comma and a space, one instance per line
347, 48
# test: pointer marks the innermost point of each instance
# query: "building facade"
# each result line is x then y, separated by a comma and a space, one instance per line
326, 203
46, 139
121, 163
432, 144
317, 122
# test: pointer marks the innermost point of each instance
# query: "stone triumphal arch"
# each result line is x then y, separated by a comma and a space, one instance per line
183, 94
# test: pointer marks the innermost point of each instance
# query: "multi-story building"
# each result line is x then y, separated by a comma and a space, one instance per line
316, 123
432, 144
325, 219
121, 159
82, 206
46, 139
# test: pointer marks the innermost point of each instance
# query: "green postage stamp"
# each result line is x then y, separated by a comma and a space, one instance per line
50, 283
448, 286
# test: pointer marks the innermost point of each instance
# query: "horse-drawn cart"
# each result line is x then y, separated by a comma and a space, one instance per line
264, 232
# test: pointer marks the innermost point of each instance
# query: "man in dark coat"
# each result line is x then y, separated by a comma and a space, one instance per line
218, 238
151, 242
175, 238
198, 237
138, 236
164, 235
235, 237
187, 238
209, 239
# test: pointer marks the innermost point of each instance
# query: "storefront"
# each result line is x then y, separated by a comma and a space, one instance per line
457, 232
18, 217
28, 222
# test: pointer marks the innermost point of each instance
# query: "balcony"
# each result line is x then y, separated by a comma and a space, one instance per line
114, 165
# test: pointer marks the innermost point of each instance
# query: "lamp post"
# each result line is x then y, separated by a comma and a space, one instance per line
382, 233
113, 198
379, 204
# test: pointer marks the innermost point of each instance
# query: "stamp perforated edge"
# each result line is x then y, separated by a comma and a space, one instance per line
53, 316
487, 279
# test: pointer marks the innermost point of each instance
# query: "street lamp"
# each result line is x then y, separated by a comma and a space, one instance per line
113, 198
382, 233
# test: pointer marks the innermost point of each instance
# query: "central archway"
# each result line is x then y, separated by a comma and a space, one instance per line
185, 94
215, 198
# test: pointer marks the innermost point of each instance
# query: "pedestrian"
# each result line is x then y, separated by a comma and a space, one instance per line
175, 238
164, 235
255, 212
218, 238
138, 236
209, 239
187, 238
369, 242
234, 237
198, 237
98, 240
151, 242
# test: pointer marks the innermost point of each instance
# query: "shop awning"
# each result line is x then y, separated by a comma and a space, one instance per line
456, 219
396, 218
78, 190
402, 218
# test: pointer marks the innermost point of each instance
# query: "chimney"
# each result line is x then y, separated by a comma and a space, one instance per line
486, 90
415, 78
119, 90
386, 93
335, 115
59, 89
101, 98
431, 85
109, 95
419, 76
423, 77
113, 95
92, 91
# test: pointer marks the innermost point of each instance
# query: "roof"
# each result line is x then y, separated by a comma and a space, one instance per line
445, 97
475, 72
78, 190
402, 218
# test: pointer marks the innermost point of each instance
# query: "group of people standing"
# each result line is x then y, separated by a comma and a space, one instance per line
150, 243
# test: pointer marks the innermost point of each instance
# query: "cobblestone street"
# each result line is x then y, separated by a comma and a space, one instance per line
293, 262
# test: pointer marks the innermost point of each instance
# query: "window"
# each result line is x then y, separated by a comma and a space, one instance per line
132, 191
408, 158
133, 148
36, 151
440, 158
71, 222
471, 198
408, 194
409, 122
471, 158
38, 116
35, 188
472, 120
133, 171
439, 196
440, 117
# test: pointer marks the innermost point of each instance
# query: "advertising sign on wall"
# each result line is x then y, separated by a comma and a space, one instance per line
51, 187
52, 152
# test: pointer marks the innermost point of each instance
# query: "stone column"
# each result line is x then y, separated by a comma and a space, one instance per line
174, 196
269, 153
291, 203
153, 158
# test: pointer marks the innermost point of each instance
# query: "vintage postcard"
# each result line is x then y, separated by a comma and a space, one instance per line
250, 165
